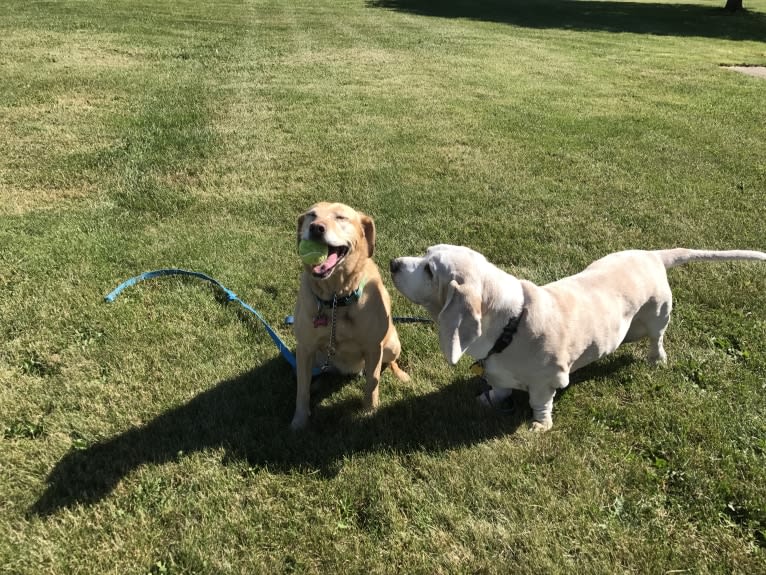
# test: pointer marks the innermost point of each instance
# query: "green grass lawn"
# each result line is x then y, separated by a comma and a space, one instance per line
151, 435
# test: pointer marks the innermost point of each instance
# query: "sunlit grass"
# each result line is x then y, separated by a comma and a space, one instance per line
151, 435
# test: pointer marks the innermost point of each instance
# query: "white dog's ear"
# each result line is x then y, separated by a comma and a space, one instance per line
459, 321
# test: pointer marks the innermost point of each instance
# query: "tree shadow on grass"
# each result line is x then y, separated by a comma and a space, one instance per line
249, 416
593, 15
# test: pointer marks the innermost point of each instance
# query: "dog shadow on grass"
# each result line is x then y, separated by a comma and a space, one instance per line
248, 416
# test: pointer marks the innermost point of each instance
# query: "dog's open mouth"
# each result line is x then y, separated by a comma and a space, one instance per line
335, 255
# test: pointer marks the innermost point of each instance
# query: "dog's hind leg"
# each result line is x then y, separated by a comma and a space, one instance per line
400, 374
373, 365
656, 327
651, 321
391, 350
657, 353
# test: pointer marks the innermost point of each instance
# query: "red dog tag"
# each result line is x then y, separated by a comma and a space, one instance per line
320, 321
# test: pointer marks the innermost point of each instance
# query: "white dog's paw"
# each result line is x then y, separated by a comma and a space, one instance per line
541, 426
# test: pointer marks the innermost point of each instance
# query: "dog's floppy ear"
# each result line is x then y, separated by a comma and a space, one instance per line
459, 321
369, 233
300, 225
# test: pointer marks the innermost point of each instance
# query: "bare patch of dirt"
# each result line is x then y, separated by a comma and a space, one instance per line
757, 71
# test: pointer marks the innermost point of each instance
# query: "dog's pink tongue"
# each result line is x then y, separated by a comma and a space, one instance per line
326, 265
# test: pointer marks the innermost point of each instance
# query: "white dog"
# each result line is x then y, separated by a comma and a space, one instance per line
532, 337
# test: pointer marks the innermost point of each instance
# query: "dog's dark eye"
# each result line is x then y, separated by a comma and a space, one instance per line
340, 218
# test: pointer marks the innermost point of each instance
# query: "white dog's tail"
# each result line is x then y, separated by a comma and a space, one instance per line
680, 256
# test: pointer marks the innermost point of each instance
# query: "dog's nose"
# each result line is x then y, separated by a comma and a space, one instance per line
317, 229
394, 266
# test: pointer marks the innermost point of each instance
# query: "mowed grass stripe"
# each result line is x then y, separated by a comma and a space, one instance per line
124, 97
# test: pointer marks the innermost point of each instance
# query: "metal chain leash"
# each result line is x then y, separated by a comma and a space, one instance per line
331, 349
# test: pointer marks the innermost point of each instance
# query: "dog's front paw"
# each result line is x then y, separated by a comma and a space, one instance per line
299, 421
541, 426
493, 396
483, 399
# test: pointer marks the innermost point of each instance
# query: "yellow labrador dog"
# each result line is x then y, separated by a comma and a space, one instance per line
532, 337
343, 312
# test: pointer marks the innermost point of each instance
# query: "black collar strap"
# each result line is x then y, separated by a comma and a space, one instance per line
353, 297
505, 339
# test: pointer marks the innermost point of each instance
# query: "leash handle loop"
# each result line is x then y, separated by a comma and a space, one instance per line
230, 295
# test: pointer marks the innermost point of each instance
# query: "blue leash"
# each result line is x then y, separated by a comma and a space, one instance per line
231, 296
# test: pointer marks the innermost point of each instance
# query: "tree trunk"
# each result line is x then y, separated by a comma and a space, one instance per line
733, 5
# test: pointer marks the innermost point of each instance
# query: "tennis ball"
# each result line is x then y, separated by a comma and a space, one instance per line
312, 253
